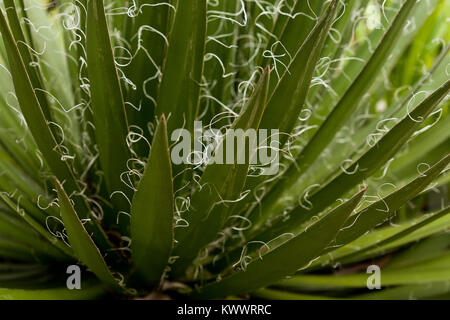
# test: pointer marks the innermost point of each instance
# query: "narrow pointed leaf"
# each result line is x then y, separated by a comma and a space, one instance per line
288, 98
222, 183
37, 226
152, 212
385, 208
270, 294
431, 271
91, 292
347, 104
108, 108
182, 73
146, 41
410, 292
368, 163
381, 211
287, 258
220, 55
52, 152
81, 243
415, 228
433, 246
33, 70
33, 113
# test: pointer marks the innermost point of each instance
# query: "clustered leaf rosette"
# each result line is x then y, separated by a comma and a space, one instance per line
278, 149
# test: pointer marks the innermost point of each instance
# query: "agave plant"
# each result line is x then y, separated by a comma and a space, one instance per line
93, 95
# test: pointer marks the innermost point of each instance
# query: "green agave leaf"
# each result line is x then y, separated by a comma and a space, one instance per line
91, 292
35, 118
11, 273
148, 40
435, 270
5, 268
364, 167
290, 32
108, 108
22, 13
16, 251
183, 67
8, 189
421, 251
293, 30
358, 224
220, 57
420, 162
421, 145
75, 52
342, 151
33, 72
385, 239
285, 259
20, 197
271, 294
344, 78
221, 183
412, 292
385, 208
393, 65
33, 113
25, 275
82, 244
46, 37
343, 26
14, 150
31, 248
81, 73
425, 35
152, 212
18, 267
433, 227
346, 254
37, 227
46, 45
417, 291
289, 96
19, 175
53, 153
292, 89
347, 104
11, 226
